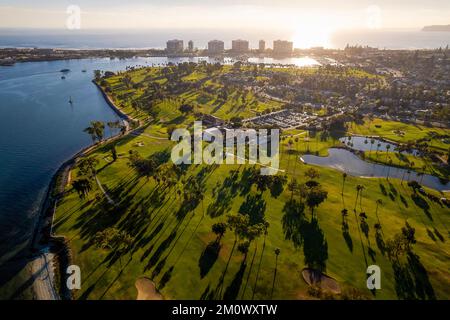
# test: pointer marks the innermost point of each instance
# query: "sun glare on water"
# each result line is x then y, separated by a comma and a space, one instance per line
308, 36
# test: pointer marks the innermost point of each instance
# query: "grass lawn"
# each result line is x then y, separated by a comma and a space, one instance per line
173, 242
411, 132
239, 102
409, 161
170, 247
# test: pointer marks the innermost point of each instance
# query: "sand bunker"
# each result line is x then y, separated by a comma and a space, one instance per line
147, 290
321, 280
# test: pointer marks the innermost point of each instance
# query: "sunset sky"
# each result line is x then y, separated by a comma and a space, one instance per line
307, 23
258, 14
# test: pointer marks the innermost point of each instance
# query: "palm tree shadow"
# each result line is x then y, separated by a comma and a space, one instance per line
208, 257
315, 246
218, 290
411, 279
254, 206
165, 278
307, 233
346, 235
292, 221
232, 290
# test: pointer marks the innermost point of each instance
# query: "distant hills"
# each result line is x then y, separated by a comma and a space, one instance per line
437, 28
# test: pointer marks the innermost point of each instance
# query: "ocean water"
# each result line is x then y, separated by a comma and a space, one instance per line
83, 39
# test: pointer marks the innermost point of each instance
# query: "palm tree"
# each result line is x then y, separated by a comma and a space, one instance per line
296, 154
238, 223
388, 146
399, 157
312, 174
389, 168
113, 125
344, 177
344, 213
315, 197
290, 144
219, 229
359, 189
243, 248
96, 130
97, 75
114, 152
87, 166
411, 166
82, 186
113, 238
126, 241
378, 202
360, 196
99, 128
200, 196
277, 252
307, 141
293, 186
378, 148
91, 131
423, 173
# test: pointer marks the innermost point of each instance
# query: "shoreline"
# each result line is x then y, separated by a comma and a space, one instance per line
116, 109
21, 55
43, 237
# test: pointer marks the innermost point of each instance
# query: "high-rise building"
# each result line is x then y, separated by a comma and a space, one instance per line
191, 45
215, 47
175, 46
239, 46
282, 47
262, 45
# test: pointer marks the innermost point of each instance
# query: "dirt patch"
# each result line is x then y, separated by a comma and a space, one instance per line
321, 280
147, 290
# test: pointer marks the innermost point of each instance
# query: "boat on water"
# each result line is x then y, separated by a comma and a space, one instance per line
63, 77
83, 70
64, 70
70, 100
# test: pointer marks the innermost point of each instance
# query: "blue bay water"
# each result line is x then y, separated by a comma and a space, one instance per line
39, 131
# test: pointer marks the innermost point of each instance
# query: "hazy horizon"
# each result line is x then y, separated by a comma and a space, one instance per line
309, 23
156, 38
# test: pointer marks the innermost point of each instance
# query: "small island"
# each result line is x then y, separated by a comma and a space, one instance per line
437, 28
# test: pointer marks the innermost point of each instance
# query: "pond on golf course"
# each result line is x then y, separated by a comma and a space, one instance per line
345, 161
